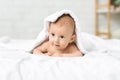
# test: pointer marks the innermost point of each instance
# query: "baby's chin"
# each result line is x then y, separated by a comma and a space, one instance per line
57, 47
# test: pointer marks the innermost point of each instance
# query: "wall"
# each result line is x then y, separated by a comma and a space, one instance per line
24, 18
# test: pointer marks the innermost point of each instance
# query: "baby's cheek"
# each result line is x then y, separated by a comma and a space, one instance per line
64, 44
51, 43
50, 40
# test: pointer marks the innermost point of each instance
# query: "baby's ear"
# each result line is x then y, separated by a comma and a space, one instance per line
73, 38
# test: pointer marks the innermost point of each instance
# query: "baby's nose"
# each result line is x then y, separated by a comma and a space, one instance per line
56, 39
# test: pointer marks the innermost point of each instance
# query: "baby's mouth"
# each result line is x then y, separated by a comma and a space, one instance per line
56, 45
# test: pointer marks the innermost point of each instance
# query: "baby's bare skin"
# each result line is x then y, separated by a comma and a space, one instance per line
47, 48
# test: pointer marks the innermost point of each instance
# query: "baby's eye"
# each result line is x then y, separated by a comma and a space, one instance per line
53, 34
62, 37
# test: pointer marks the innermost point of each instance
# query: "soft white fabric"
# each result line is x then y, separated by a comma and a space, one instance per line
17, 64
20, 65
15, 44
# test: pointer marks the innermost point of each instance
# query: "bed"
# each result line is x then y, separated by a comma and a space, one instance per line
16, 63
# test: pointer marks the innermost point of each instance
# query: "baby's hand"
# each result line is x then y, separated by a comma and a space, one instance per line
36, 51
49, 54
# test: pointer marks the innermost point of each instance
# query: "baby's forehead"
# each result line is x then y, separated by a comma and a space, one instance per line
62, 30
65, 20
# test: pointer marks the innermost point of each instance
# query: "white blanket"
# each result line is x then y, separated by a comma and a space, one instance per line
17, 64
20, 65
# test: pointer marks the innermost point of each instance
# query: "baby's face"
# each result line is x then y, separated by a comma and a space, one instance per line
60, 35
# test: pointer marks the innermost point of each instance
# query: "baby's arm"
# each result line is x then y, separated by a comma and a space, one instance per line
41, 48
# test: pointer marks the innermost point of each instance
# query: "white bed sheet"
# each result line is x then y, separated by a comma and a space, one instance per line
17, 64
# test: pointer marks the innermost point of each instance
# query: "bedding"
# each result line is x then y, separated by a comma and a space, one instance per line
16, 63
100, 62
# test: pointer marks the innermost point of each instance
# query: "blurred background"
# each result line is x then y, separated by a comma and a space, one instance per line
23, 19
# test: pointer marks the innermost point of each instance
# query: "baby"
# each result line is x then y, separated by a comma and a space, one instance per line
61, 39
